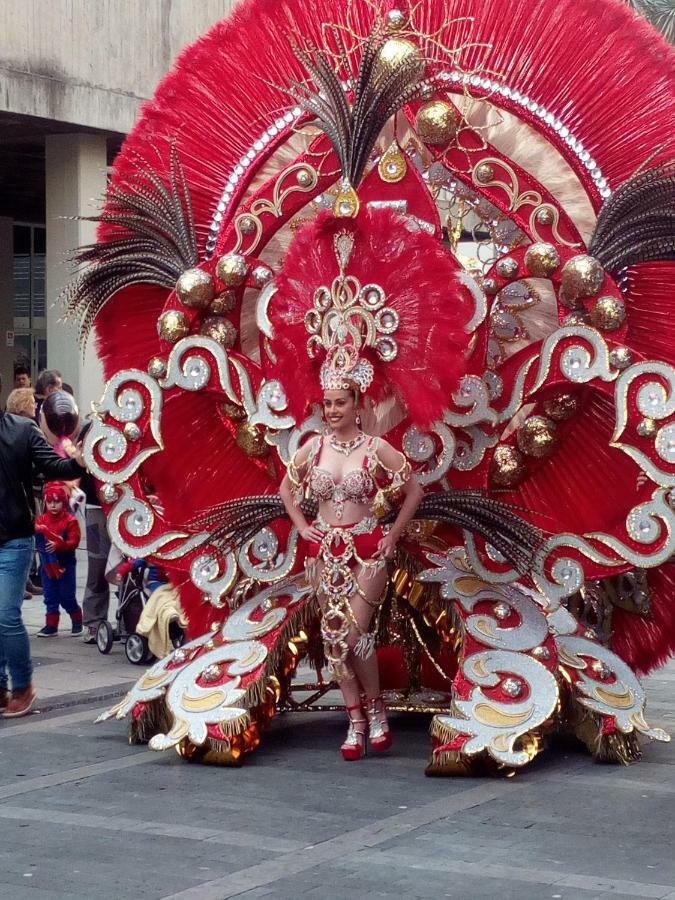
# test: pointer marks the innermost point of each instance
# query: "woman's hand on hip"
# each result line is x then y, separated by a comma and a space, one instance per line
387, 546
311, 534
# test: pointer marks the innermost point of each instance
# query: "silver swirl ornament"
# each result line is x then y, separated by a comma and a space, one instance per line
421, 448
213, 579
190, 369
106, 445
131, 521
495, 726
275, 603
194, 707
651, 388
606, 686
153, 683
473, 394
580, 362
260, 560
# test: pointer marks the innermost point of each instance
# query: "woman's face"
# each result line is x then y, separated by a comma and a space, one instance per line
340, 409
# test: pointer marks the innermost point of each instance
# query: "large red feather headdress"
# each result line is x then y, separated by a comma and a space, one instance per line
377, 304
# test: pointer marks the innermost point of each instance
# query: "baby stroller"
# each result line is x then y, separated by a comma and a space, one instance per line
135, 587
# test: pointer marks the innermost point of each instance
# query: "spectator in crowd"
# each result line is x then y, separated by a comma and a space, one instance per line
21, 376
97, 592
22, 446
21, 402
57, 538
48, 381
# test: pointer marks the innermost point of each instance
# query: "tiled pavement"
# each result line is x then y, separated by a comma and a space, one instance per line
84, 815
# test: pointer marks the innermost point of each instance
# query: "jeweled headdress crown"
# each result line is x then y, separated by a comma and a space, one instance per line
345, 319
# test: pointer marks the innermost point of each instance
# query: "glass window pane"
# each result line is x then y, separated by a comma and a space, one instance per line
40, 240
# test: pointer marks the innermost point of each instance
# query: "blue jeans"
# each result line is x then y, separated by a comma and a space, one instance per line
15, 560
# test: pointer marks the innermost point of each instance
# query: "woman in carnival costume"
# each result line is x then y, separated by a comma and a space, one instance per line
426, 217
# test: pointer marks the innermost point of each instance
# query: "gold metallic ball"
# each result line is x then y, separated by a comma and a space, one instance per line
396, 19
132, 432
436, 122
232, 411
621, 357
251, 440
220, 330
395, 51
247, 224
581, 276
576, 319
562, 407
608, 313
262, 275
173, 325
541, 260
491, 286
647, 427
223, 303
545, 216
232, 269
507, 467
195, 288
537, 436
484, 173
157, 367
507, 267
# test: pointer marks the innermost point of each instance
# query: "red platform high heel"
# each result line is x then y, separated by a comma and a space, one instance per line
378, 727
354, 746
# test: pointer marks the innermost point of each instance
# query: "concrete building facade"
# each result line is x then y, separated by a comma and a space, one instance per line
73, 75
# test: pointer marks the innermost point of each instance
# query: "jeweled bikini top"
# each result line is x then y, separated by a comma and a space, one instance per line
358, 485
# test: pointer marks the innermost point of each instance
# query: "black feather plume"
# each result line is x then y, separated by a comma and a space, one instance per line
495, 521
637, 223
232, 523
378, 93
156, 242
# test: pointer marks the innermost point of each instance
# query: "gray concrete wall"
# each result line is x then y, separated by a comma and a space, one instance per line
92, 62
76, 177
6, 308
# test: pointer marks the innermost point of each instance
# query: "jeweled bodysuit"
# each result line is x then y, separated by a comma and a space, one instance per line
334, 561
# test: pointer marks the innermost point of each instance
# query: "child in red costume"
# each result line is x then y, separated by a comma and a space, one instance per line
57, 535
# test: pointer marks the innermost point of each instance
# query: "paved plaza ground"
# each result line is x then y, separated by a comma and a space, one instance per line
85, 815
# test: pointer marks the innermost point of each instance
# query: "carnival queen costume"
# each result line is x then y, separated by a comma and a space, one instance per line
464, 214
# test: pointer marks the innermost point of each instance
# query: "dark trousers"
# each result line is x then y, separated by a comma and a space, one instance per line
97, 592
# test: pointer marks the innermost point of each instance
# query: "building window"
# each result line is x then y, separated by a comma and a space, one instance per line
30, 316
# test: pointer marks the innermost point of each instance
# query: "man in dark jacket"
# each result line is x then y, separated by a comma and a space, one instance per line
22, 446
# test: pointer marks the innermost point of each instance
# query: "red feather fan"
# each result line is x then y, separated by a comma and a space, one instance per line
419, 278
596, 66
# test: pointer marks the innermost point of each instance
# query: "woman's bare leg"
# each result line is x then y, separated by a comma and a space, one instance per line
349, 685
366, 670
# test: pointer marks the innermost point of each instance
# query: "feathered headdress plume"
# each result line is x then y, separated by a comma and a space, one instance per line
379, 92
637, 223
153, 241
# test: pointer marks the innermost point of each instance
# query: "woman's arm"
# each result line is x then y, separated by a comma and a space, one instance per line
396, 465
289, 489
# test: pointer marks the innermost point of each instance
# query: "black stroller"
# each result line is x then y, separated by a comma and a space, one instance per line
133, 594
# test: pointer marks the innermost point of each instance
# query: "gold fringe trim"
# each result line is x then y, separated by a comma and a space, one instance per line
297, 621
586, 726
155, 719
441, 732
232, 727
455, 764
